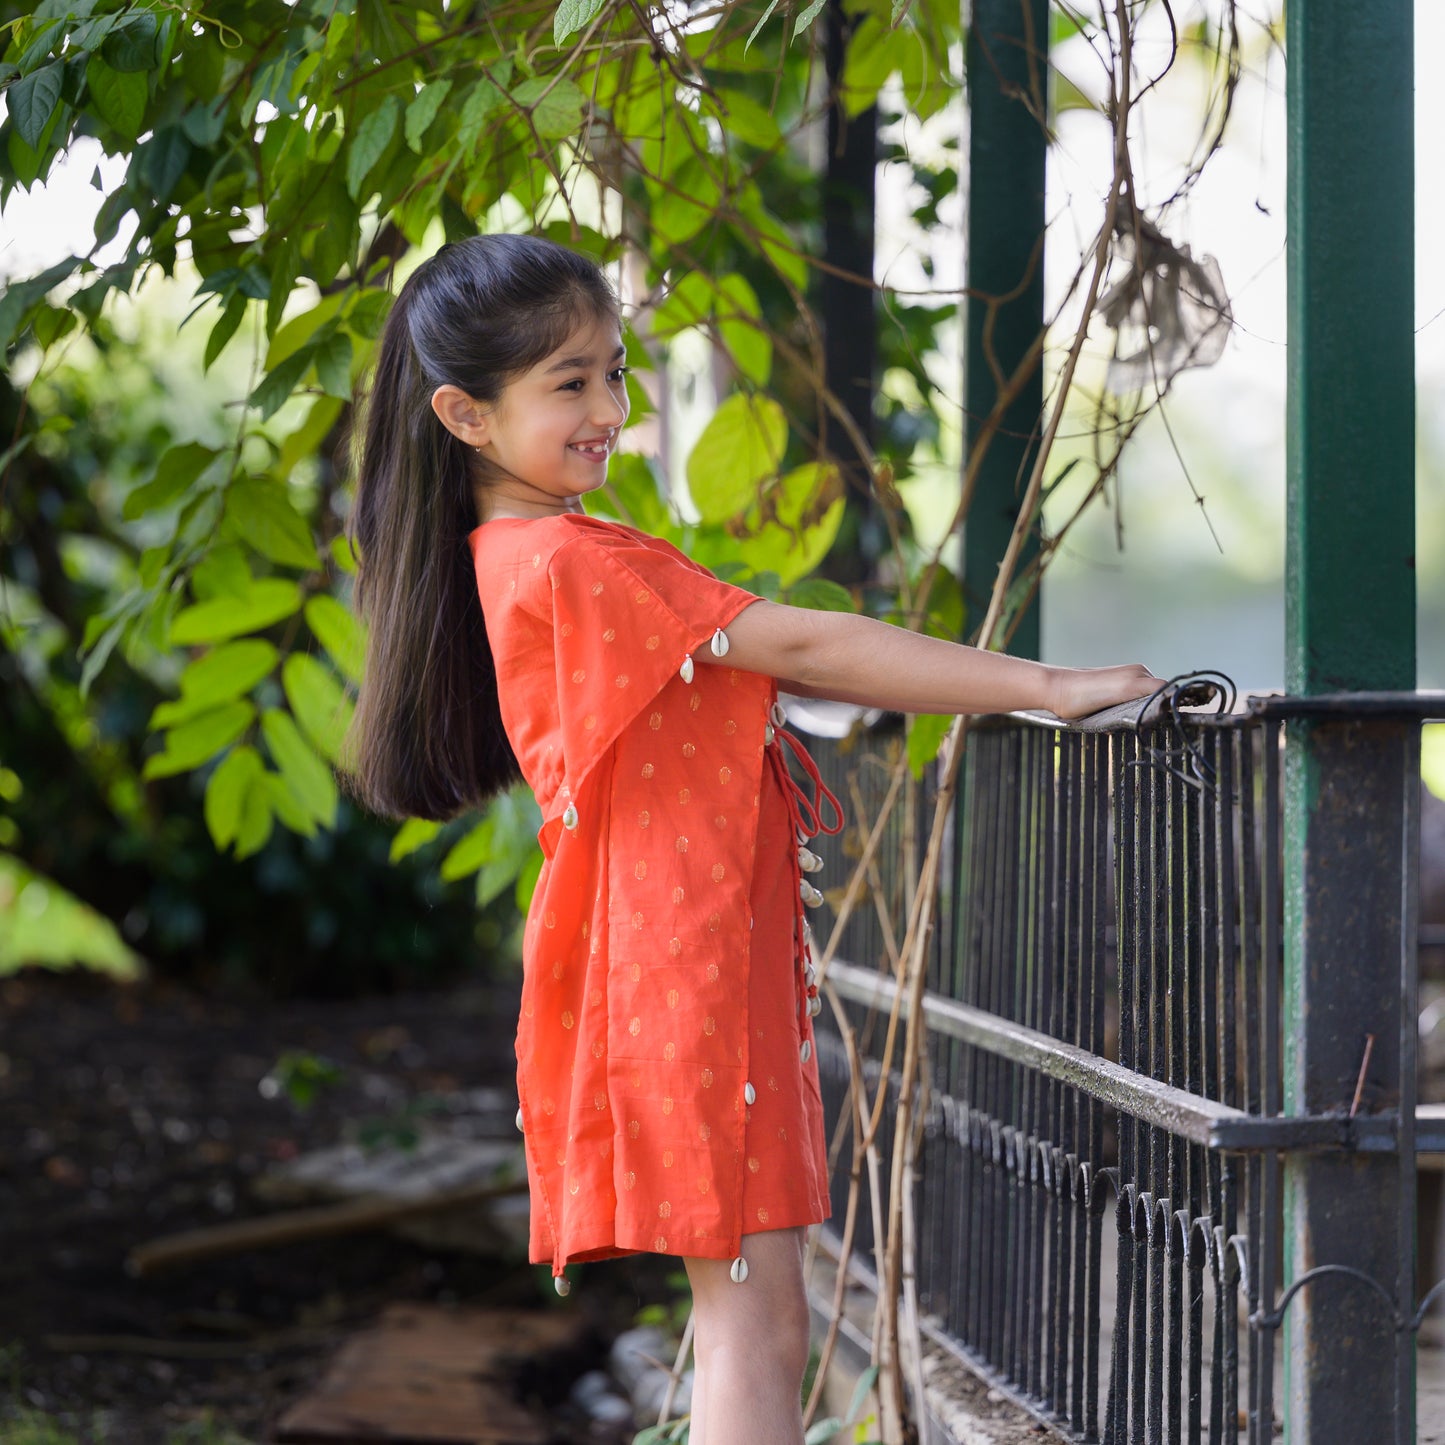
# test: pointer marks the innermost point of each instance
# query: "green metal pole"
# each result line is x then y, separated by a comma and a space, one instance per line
1007, 60
1350, 787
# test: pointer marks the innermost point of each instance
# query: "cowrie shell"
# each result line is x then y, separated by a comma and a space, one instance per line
750, 1094
808, 860
562, 1285
806, 1052
520, 1130
720, 643
686, 670
777, 714
739, 1270
569, 817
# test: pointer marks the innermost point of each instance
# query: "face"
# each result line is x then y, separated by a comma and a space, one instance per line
551, 432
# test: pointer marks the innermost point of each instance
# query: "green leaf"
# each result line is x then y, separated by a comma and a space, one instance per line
469, 852
333, 365
99, 649
304, 441
176, 471
685, 204
257, 819
413, 834
822, 1431
289, 809
42, 42
224, 673
926, 733
821, 595
800, 519
556, 105
423, 110
745, 120
196, 741
762, 20
739, 449
32, 101
740, 325
689, 303
866, 1382
572, 16
222, 572
276, 387
483, 98
266, 602
163, 161
299, 330
342, 554
224, 329
18, 298
527, 880
120, 96
308, 780
339, 633
640, 502
131, 45
317, 702
808, 15
762, 231
226, 789
204, 123
875, 51
262, 513
369, 144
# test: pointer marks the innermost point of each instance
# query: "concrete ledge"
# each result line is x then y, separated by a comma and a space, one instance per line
964, 1408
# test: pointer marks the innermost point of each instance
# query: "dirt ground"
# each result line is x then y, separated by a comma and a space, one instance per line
131, 1111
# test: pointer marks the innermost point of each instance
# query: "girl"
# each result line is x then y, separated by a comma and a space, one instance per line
669, 1097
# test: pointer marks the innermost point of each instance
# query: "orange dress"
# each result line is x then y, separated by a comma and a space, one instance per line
669, 1096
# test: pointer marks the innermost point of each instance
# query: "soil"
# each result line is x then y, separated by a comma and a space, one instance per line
129, 1111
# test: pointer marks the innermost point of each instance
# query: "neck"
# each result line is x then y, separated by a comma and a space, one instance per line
493, 504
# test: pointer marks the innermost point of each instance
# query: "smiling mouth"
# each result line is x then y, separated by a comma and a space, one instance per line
596, 451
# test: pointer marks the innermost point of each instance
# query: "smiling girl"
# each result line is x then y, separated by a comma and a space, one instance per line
669, 1093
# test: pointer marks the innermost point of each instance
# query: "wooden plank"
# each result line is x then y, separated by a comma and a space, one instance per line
424, 1375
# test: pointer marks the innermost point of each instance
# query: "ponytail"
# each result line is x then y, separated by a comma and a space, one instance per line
427, 739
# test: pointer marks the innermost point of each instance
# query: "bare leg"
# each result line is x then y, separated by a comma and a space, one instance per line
750, 1344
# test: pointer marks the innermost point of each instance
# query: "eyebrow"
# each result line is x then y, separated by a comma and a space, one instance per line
579, 363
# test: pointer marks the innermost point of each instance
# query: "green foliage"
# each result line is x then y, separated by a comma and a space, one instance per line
351, 142
45, 925
302, 1077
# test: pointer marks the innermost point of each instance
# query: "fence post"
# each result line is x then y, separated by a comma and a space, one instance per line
1350, 786
1007, 62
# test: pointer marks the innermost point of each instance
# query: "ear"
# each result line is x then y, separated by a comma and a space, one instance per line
460, 415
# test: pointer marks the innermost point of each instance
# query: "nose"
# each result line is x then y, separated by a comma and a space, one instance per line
611, 407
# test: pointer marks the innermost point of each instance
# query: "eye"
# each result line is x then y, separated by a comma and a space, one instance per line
618, 372
576, 384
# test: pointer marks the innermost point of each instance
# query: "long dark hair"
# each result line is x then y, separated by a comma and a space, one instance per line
427, 739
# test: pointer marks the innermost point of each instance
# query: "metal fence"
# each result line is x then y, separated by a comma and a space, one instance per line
1099, 1198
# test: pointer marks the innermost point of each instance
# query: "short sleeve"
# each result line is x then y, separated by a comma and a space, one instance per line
626, 613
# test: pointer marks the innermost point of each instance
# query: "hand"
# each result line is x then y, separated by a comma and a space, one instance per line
1079, 691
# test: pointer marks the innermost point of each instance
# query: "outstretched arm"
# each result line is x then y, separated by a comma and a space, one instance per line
855, 659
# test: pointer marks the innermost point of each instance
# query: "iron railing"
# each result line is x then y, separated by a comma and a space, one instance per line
1103, 1008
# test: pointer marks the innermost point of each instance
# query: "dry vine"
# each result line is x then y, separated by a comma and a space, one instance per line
898, 1343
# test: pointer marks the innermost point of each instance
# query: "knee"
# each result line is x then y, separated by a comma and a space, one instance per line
793, 1332
777, 1327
